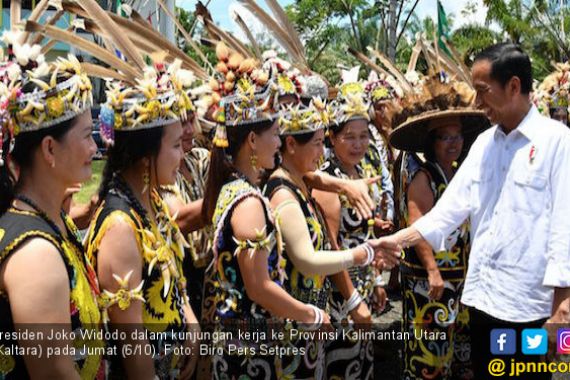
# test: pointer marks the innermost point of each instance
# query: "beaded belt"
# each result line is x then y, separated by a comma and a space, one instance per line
316, 297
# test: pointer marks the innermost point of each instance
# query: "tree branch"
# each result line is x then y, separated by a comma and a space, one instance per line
319, 52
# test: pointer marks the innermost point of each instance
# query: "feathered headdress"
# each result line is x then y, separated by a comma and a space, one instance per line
39, 94
351, 101
554, 91
298, 119
284, 78
440, 98
241, 95
313, 86
380, 89
159, 98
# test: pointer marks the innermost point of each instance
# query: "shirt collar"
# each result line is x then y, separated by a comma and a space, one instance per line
525, 127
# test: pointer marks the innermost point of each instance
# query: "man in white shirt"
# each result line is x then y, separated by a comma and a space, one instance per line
514, 186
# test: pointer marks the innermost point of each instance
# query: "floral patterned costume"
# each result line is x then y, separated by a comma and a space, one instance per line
439, 358
347, 358
18, 227
314, 290
164, 286
234, 310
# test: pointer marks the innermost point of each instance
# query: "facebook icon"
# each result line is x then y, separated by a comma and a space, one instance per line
503, 341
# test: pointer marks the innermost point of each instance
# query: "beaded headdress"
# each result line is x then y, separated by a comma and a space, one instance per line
62, 89
554, 91
351, 102
298, 119
159, 99
35, 94
284, 79
244, 97
379, 89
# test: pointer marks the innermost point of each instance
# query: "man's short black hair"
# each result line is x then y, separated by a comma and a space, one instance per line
508, 60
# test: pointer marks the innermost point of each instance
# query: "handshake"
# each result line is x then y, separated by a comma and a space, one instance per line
383, 253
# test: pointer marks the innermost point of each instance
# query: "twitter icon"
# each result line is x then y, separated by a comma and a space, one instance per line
534, 342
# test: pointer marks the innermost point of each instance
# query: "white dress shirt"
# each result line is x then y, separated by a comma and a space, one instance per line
515, 189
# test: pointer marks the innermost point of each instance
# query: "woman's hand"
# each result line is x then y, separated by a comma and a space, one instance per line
357, 193
361, 314
379, 299
188, 365
386, 226
387, 252
436, 284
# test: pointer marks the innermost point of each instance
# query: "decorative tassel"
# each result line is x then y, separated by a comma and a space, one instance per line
221, 137
370, 234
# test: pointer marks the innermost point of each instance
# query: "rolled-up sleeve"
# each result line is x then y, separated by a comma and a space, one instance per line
558, 245
450, 211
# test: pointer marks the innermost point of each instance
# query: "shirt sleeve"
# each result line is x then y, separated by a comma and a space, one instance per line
451, 210
557, 272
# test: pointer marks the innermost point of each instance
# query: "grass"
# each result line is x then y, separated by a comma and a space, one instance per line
90, 187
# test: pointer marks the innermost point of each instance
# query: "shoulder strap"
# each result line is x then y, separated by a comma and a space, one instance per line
112, 203
276, 183
17, 227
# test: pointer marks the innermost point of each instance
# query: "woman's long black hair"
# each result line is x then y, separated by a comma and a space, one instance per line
25, 146
222, 167
129, 147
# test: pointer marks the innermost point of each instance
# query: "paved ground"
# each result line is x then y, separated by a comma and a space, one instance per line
388, 354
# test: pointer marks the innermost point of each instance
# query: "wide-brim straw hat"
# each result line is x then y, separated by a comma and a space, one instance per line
412, 135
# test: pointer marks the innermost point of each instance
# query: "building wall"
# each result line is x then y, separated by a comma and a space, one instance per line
153, 12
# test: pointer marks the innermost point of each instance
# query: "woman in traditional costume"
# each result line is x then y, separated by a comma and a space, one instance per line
353, 157
441, 123
553, 94
248, 266
134, 243
46, 283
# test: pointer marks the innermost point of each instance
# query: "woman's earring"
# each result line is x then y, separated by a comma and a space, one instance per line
146, 180
253, 161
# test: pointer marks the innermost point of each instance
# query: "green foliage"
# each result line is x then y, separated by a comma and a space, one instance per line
328, 27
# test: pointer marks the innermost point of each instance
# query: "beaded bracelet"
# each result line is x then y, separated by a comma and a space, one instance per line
353, 302
319, 318
369, 254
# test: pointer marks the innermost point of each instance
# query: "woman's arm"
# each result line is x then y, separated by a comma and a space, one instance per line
331, 206
37, 284
300, 246
188, 215
188, 364
420, 201
247, 220
119, 255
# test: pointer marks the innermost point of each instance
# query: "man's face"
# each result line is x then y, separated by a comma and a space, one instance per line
493, 98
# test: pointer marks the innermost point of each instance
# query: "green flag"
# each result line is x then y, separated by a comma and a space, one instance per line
442, 27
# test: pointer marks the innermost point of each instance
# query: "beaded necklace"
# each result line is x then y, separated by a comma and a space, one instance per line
83, 264
121, 188
42, 214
